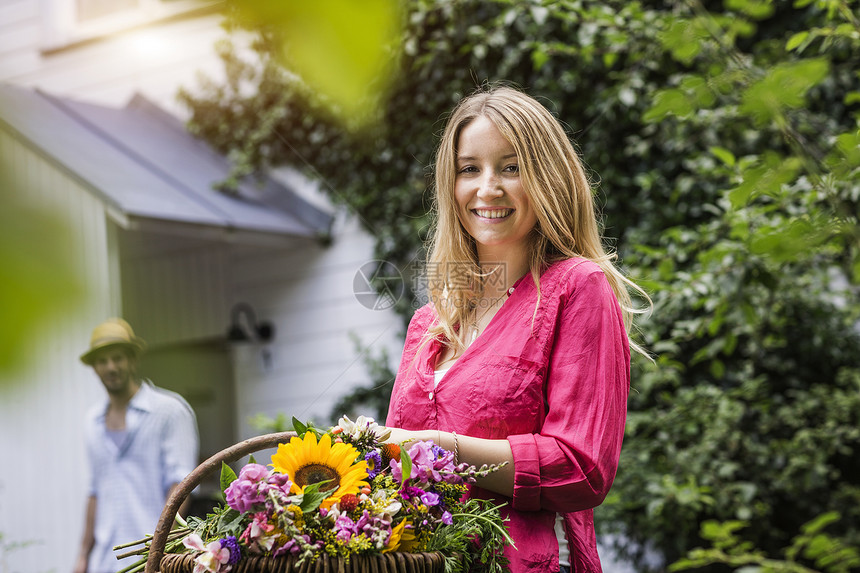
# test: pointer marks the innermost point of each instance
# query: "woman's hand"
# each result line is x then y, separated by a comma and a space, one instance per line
399, 435
475, 451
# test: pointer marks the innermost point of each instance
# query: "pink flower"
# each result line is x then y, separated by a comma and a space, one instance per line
213, 558
280, 481
345, 528
428, 463
259, 533
245, 491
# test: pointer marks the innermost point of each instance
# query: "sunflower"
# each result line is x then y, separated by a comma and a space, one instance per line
307, 462
402, 538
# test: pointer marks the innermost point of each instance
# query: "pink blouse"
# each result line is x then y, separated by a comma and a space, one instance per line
554, 383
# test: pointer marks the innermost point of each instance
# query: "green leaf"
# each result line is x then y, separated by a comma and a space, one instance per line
312, 497
724, 155
669, 102
756, 9
228, 476
406, 463
343, 50
783, 87
41, 274
229, 521
300, 428
820, 522
252, 459
539, 58
796, 40
684, 38
764, 178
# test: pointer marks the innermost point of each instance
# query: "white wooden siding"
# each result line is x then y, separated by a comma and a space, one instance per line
307, 293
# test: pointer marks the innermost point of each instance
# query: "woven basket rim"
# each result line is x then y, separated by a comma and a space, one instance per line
393, 562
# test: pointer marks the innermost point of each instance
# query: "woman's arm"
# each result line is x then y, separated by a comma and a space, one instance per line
474, 451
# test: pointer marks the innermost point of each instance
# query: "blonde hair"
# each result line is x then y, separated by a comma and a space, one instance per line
557, 187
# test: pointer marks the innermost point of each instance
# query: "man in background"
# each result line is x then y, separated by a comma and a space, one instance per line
140, 443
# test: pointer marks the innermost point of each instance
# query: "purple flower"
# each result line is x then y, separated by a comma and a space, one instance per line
409, 492
245, 491
293, 546
233, 546
280, 481
374, 465
345, 528
447, 519
252, 486
254, 472
430, 499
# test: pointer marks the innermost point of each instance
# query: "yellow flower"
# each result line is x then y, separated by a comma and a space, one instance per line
395, 537
308, 462
408, 541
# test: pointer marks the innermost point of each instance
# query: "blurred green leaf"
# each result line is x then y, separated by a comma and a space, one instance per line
684, 39
39, 276
797, 40
757, 9
724, 155
765, 177
784, 87
346, 51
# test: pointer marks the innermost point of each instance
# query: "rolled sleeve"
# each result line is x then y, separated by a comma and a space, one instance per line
527, 478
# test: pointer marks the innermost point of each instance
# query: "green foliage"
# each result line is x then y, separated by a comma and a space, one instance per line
39, 282
726, 140
478, 526
827, 553
752, 410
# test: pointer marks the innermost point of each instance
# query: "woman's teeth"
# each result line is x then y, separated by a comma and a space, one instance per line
494, 213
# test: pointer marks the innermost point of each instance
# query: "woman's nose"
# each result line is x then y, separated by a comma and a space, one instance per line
490, 186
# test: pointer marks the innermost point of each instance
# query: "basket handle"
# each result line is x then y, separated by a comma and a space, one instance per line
192, 480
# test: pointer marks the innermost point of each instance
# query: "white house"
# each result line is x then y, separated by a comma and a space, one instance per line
90, 130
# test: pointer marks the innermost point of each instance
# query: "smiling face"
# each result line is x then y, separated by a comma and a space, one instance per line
491, 200
115, 366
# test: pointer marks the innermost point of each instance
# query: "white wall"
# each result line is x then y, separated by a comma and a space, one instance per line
307, 292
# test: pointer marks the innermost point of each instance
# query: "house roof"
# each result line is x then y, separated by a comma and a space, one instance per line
142, 162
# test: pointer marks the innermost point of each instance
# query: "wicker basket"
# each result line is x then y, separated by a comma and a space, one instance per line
394, 562
388, 563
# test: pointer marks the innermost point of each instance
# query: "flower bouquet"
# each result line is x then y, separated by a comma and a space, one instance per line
345, 494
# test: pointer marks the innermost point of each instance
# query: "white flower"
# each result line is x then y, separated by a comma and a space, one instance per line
362, 425
213, 558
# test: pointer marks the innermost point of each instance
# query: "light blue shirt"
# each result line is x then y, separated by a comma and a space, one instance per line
130, 479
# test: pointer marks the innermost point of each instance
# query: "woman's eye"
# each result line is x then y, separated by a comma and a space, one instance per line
468, 169
513, 168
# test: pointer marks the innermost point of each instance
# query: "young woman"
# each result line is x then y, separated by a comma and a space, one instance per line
522, 355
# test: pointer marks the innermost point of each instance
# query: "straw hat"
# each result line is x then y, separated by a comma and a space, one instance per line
112, 332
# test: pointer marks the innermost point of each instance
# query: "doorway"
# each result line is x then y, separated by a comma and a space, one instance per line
201, 373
